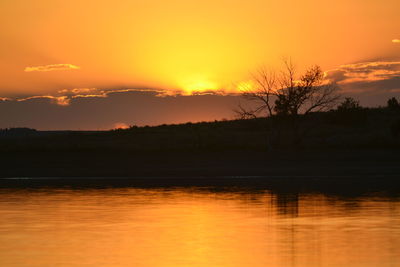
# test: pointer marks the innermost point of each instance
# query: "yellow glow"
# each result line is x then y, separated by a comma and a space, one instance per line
196, 56
245, 86
197, 85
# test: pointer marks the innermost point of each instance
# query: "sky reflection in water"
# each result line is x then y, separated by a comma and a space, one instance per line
196, 227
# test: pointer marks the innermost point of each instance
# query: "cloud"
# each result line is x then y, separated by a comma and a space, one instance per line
82, 92
65, 96
365, 72
79, 90
372, 81
59, 100
53, 67
396, 41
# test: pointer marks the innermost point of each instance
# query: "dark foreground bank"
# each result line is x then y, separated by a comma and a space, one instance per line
334, 169
355, 143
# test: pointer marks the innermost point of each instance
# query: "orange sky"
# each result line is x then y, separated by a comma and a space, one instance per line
180, 44
83, 64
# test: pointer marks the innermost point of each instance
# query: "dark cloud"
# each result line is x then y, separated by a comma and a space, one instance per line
118, 108
65, 96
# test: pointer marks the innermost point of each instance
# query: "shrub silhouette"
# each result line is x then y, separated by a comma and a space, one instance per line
349, 104
393, 104
349, 113
20, 131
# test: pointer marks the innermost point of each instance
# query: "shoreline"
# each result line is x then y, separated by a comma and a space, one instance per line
336, 170
341, 185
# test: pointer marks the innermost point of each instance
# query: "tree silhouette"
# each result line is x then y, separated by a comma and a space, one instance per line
287, 94
392, 103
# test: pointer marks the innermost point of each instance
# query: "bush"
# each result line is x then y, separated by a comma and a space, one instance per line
392, 103
349, 104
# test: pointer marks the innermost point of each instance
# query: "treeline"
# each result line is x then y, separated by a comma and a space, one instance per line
19, 131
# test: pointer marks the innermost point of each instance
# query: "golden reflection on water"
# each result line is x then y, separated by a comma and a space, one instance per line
195, 227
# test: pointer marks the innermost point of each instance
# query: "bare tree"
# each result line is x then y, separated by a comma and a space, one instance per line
262, 93
289, 95
310, 93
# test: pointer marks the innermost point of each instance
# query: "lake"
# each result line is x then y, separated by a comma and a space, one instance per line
197, 226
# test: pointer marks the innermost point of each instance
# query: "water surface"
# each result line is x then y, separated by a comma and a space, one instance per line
195, 226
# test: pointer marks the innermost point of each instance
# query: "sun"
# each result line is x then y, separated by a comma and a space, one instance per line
197, 84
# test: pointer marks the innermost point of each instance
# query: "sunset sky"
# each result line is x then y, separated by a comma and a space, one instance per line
96, 64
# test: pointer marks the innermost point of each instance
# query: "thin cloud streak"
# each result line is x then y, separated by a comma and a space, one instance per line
53, 67
397, 41
59, 100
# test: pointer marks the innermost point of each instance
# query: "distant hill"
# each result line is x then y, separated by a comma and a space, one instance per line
360, 128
